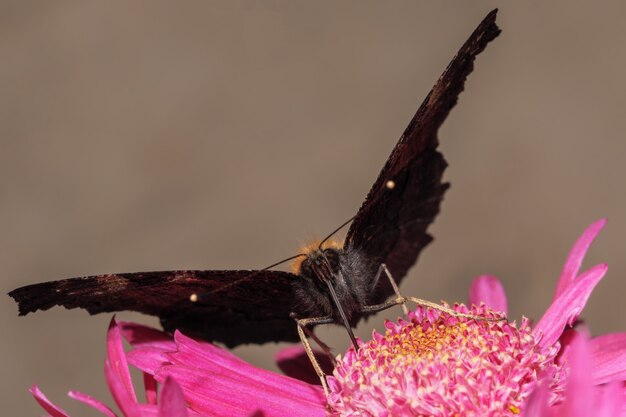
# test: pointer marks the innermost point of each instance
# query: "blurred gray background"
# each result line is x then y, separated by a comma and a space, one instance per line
160, 135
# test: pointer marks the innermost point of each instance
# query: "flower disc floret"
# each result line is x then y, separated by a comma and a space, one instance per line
438, 364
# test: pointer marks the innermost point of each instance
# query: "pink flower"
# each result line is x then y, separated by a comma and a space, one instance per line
430, 364
436, 364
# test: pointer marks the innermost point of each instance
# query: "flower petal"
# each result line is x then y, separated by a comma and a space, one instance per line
148, 410
610, 400
208, 357
151, 388
117, 358
568, 305
139, 335
43, 401
117, 374
576, 256
119, 391
294, 362
537, 404
489, 290
234, 395
92, 402
217, 383
148, 359
172, 402
579, 392
608, 355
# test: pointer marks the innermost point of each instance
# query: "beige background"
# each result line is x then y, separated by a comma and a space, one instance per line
144, 136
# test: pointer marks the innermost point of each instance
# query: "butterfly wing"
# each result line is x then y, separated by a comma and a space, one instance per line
247, 312
390, 226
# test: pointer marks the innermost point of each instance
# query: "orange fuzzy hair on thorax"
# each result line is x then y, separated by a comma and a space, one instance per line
312, 247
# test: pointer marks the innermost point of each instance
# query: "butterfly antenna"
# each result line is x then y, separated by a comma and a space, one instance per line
196, 298
277, 263
335, 231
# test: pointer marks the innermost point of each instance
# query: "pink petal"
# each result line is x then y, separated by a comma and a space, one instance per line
537, 404
209, 357
206, 350
148, 360
92, 402
142, 336
218, 383
608, 355
119, 392
117, 358
576, 256
489, 290
172, 401
579, 392
151, 388
565, 340
234, 395
148, 410
215, 381
610, 400
294, 362
568, 305
43, 401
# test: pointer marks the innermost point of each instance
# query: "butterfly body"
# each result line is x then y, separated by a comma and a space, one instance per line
242, 306
349, 274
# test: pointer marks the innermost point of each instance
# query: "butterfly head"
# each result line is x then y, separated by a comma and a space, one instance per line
318, 258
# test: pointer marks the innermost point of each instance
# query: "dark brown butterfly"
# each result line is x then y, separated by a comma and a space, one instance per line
244, 306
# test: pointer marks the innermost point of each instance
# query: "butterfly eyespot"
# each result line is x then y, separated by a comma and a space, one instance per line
390, 185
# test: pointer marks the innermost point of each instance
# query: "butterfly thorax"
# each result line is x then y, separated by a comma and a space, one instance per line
348, 274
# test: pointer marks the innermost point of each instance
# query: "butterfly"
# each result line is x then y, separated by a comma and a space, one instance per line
330, 279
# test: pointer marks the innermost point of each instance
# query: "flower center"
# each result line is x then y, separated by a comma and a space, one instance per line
436, 364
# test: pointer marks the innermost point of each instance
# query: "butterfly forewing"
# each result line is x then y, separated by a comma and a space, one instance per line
390, 227
224, 316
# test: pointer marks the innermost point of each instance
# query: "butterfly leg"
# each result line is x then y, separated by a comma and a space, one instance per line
383, 268
402, 300
325, 348
303, 330
384, 306
450, 311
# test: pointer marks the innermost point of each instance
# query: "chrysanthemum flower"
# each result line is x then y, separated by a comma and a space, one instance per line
437, 364
430, 364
